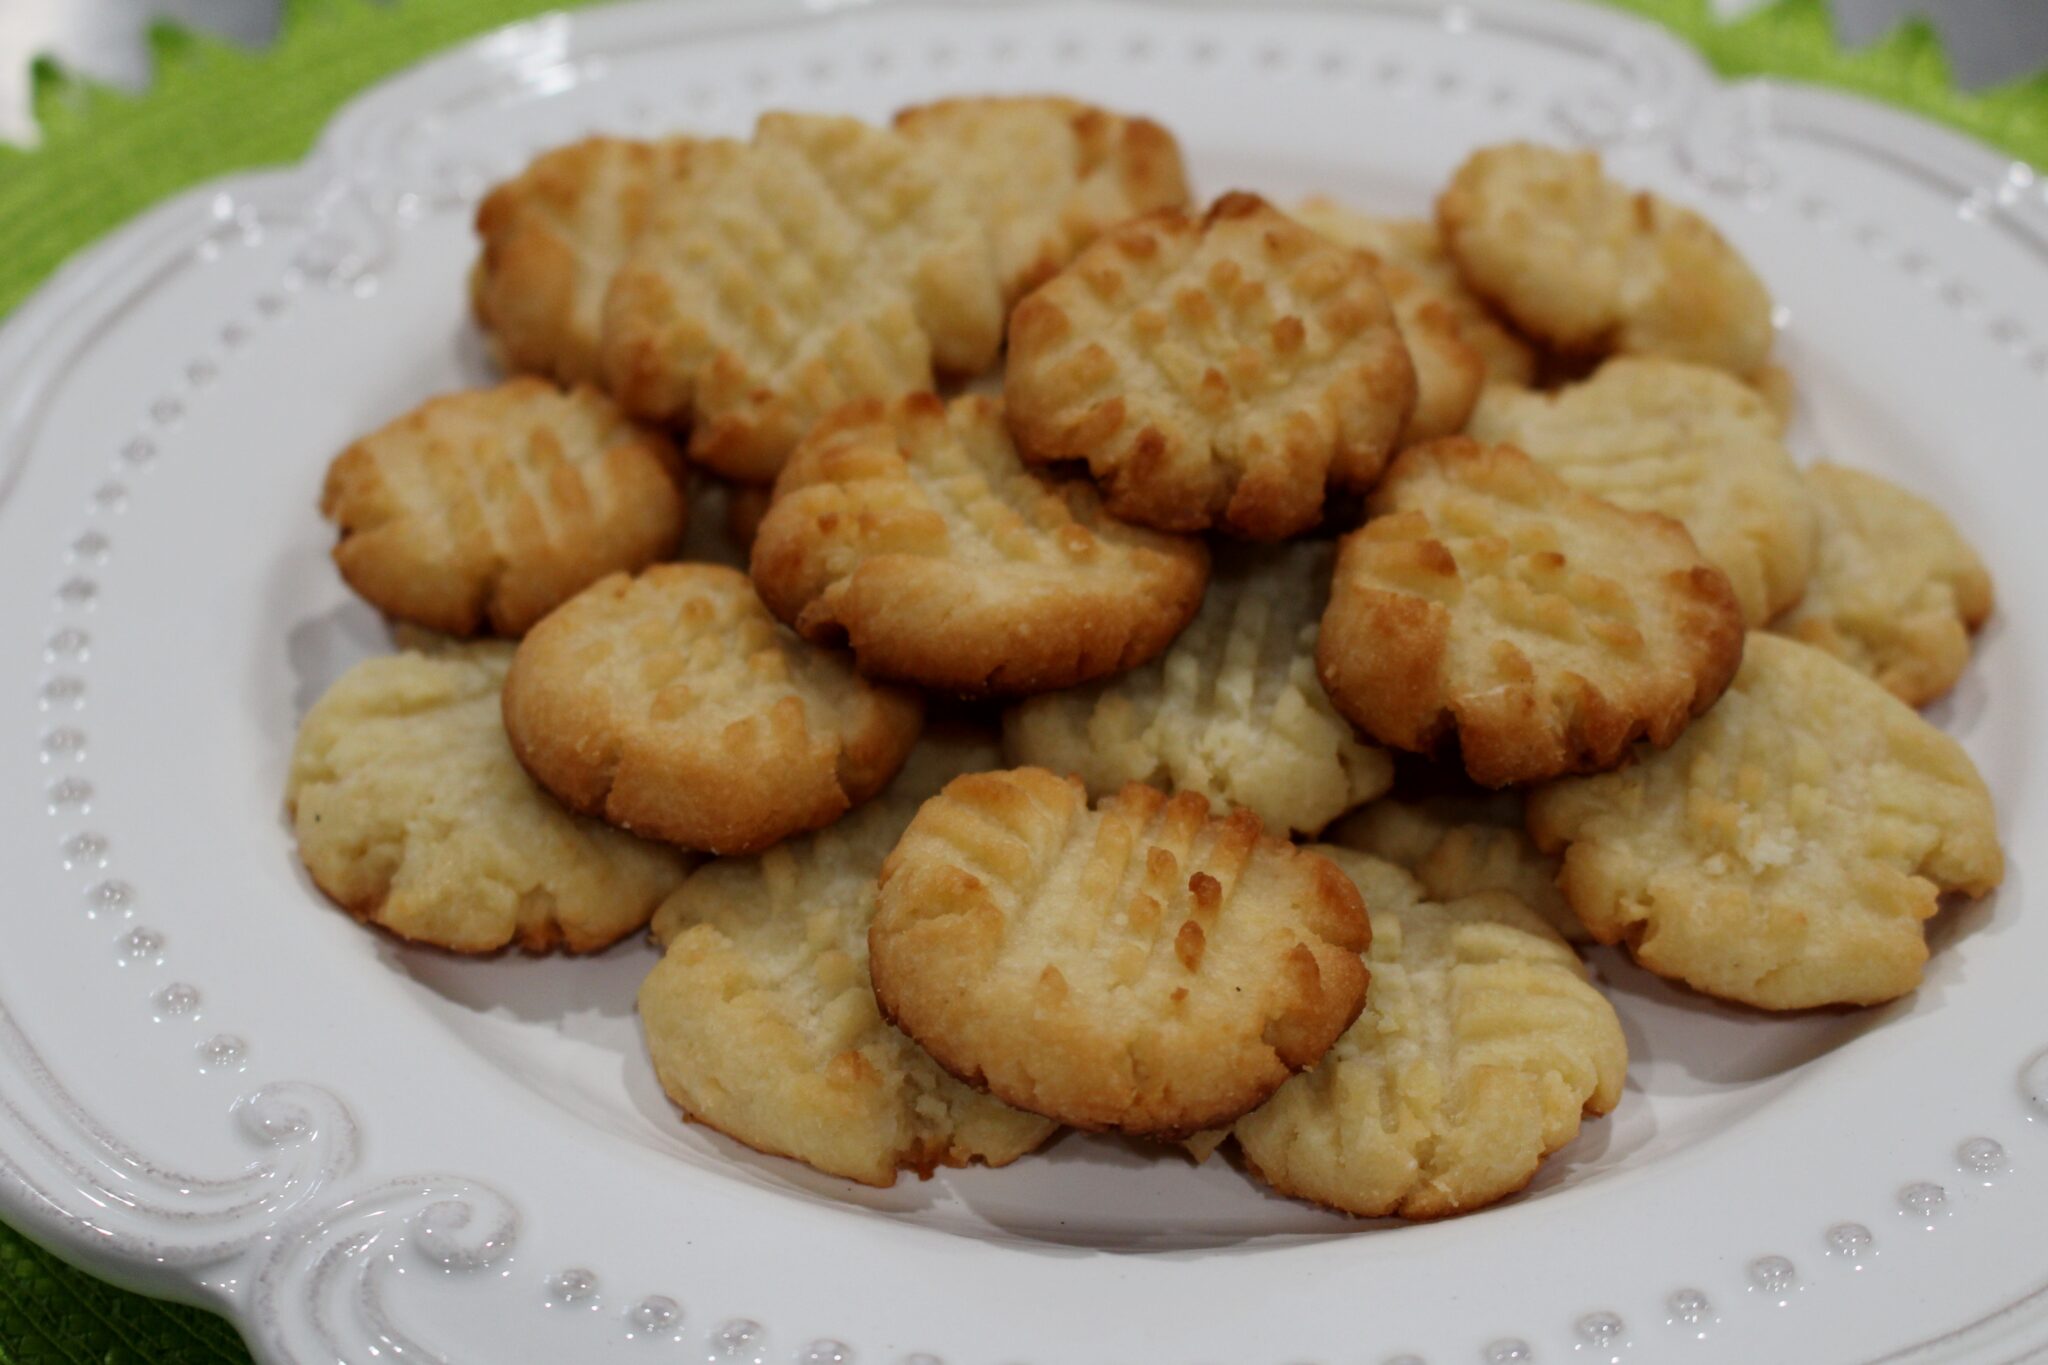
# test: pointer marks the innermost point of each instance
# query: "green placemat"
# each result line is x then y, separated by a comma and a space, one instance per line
215, 108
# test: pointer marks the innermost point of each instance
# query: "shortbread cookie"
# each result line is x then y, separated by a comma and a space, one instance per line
1048, 174
911, 532
1142, 966
1685, 440
489, 508
824, 261
412, 814
1896, 592
1213, 371
1787, 850
673, 705
1481, 1048
762, 1022
553, 237
1458, 847
1415, 245
1591, 267
1539, 629
1233, 710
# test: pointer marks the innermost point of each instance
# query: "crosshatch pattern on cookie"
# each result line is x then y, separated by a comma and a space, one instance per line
1541, 629
552, 237
911, 532
1233, 710
487, 509
674, 705
1142, 966
1786, 851
1688, 441
824, 261
1212, 371
1481, 1049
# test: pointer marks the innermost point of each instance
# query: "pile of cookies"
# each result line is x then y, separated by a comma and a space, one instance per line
1027, 757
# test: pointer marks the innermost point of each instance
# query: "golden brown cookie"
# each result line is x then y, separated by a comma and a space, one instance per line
1142, 966
1686, 440
1414, 245
553, 236
672, 704
1787, 850
412, 814
1460, 846
777, 279
1048, 174
1232, 711
1220, 370
488, 508
1590, 267
911, 532
1541, 630
1896, 592
762, 1022
1481, 1048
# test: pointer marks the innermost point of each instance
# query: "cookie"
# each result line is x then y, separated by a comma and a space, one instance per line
1481, 1049
1896, 591
1048, 174
821, 262
762, 1022
412, 814
1685, 440
1449, 372
1788, 849
911, 532
1415, 246
1541, 630
672, 704
1232, 711
552, 238
1142, 966
1219, 370
1457, 847
489, 508
1590, 267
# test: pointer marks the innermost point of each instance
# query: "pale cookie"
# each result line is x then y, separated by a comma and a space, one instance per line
1219, 370
1233, 710
1788, 849
1449, 372
911, 532
822, 262
553, 236
1538, 629
1048, 174
1685, 440
1461, 846
762, 1022
1897, 592
1591, 267
412, 814
1481, 1048
487, 509
673, 705
1415, 245
1142, 966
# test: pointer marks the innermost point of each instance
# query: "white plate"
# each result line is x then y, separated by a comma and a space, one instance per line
214, 1086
